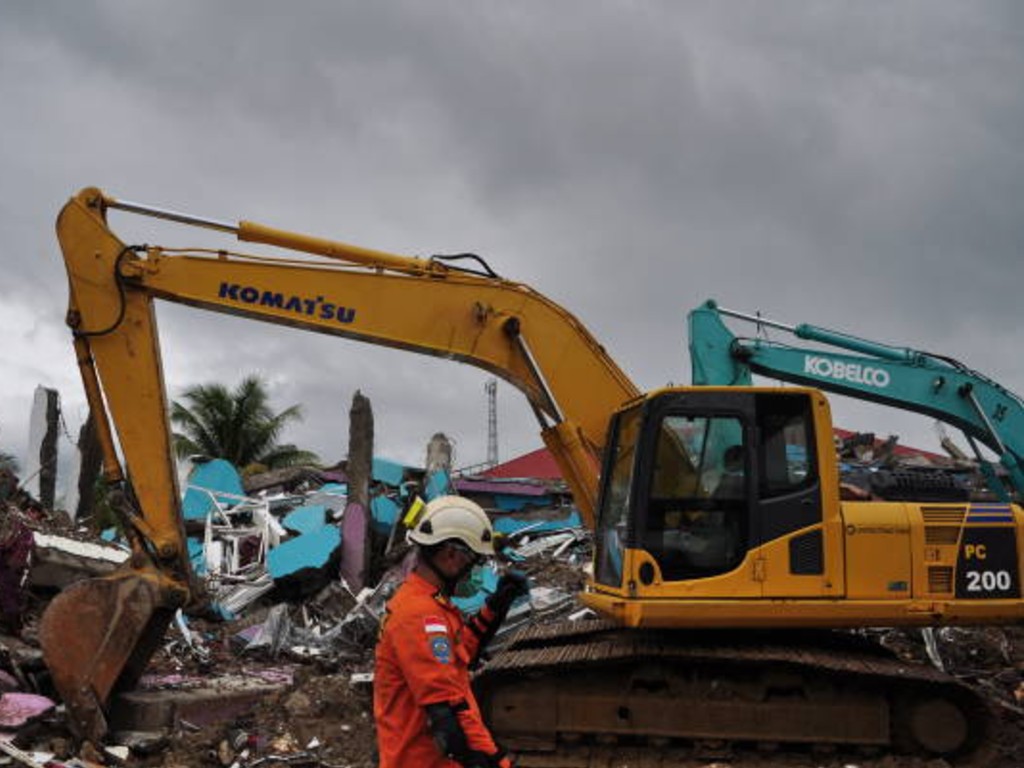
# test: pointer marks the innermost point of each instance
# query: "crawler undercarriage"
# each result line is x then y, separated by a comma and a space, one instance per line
590, 694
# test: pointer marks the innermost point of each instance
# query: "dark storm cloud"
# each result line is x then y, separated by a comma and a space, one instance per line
857, 165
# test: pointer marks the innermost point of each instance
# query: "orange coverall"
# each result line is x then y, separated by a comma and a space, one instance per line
423, 657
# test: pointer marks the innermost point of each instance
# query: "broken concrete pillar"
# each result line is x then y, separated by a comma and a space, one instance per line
80, 489
437, 480
90, 461
41, 469
439, 453
355, 556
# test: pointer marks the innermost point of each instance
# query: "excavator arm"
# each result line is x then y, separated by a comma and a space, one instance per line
97, 635
904, 378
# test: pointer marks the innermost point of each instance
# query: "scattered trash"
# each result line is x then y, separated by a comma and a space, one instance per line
18, 709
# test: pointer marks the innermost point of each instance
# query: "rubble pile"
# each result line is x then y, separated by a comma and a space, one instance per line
874, 468
278, 670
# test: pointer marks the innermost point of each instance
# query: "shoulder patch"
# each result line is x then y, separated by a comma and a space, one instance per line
436, 629
441, 648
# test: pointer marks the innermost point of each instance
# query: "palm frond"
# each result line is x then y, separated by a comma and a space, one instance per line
237, 425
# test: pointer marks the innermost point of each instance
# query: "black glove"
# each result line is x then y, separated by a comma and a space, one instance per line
511, 585
444, 724
480, 760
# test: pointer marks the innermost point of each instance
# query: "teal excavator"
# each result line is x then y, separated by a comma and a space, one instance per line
908, 379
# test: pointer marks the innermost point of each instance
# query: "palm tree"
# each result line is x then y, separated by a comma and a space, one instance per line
238, 426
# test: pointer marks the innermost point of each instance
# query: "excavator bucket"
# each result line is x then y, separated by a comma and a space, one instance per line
97, 636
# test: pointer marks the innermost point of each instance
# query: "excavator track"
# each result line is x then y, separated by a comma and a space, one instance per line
583, 695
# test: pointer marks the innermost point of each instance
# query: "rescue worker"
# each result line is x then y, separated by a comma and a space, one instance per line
426, 714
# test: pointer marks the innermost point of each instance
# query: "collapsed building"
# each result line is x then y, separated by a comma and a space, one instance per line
296, 570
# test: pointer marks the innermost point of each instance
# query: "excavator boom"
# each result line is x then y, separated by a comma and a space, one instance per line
428, 306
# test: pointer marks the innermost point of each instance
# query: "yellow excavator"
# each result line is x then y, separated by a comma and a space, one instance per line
723, 552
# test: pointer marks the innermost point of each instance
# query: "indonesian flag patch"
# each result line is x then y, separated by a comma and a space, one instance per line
435, 625
437, 638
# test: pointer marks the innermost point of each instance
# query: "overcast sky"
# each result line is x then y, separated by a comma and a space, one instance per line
858, 165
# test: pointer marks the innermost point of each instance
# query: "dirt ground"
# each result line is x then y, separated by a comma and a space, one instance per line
322, 720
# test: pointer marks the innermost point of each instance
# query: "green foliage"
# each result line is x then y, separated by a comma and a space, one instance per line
103, 514
8, 462
237, 425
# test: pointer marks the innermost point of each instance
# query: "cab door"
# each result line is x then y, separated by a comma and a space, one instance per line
788, 532
694, 491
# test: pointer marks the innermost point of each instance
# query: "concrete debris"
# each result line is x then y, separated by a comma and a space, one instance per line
81, 485
543, 544
59, 560
306, 519
212, 486
305, 556
234, 599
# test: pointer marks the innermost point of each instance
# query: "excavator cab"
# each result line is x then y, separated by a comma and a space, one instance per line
697, 481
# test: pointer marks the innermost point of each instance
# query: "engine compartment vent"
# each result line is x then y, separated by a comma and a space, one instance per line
940, 579
941, 534
944, 515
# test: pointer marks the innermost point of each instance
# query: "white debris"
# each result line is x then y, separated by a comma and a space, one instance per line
543, 544
581, 614
85, 549
58, 560
119, 753
237, 598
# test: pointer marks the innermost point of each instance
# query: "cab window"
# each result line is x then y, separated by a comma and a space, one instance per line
786, 445
698, 496
613, 517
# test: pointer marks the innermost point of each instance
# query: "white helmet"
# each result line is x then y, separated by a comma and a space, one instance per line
453, 517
